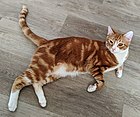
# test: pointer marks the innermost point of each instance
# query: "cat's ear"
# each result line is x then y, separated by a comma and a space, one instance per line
129, 35
110, 31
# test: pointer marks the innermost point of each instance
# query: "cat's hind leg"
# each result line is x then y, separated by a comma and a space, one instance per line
39, 90
19, 83
40, 94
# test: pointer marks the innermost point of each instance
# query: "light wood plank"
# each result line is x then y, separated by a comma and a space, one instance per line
128, 111
25, 110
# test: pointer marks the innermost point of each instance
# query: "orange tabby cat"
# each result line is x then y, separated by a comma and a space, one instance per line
69, 56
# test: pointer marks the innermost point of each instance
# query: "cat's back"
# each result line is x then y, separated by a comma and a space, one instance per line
69, 49
72, 43
75, 40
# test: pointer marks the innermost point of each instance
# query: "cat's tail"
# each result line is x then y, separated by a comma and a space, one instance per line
37, 40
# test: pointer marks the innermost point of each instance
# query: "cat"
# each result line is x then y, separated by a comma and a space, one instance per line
71, 56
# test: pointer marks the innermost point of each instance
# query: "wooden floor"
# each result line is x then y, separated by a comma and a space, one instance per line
68, 97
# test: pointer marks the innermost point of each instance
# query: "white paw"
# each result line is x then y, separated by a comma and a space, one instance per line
92, 88
43, 103
12, 106
119, 74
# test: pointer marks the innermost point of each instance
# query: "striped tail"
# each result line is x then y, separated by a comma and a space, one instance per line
37, 40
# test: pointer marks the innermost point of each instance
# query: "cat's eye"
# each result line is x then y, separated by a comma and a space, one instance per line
111, 42
120, 44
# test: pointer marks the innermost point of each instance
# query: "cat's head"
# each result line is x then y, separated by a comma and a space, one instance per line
116, 42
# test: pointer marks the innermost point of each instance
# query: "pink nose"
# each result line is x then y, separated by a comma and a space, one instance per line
113, 49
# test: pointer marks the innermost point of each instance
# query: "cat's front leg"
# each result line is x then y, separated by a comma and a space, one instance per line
119, 71
97, 84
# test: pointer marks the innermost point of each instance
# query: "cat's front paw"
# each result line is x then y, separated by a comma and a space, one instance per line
119, 73
92, 88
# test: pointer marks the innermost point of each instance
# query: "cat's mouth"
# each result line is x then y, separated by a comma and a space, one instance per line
114, 50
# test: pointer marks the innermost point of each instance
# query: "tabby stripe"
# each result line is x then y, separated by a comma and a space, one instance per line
96, 73
102, 81
34, 65
91, 56
27, 31
36, 75
82, 52
28, 74
23, 13
103, 69
108, 59
22, 17
96, 60
95, 69
42, 68
112, 62
42, 49
98, 76
90, 45
96, 45
43, 63
49, 79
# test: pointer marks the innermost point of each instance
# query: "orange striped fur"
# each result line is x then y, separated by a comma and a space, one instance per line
69, 56
37, 40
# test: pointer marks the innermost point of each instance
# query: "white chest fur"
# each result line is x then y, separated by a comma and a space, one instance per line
121, 57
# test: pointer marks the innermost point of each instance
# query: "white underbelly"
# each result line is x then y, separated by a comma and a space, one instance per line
61, 72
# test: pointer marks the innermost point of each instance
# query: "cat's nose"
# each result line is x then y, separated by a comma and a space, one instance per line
113, 49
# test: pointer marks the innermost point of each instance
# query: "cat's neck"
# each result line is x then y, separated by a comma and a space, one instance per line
122, 56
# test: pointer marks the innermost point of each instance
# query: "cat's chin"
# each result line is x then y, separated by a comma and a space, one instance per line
114, 52
118, 52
